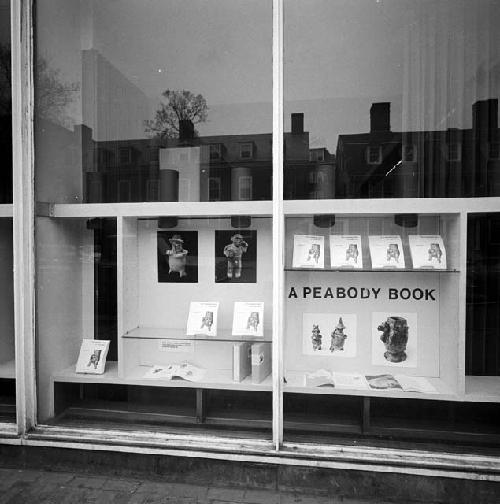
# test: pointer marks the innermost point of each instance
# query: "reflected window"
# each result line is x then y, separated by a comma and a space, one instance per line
215, 151
246, 150
125, 155
152, 190
454, 152
214, 189
245, 188
124, 190
374, 155
409, 153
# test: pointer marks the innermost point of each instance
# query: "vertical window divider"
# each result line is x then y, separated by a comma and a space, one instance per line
278, 225
22, 50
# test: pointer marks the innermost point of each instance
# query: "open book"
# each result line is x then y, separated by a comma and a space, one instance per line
183, 371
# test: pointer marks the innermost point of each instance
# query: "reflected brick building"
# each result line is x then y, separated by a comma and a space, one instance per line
450, 163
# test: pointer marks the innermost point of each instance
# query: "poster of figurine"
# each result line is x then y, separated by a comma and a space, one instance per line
345, 251
248, 319
308, 251
394, 339
331, 334
386, 252
202, 318
236, 256
177, 256
427, 251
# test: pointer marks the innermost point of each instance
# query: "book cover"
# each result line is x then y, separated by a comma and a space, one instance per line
248, 319
352, 381
92, 357
427, 251
386, 252
242, 361
308, 251
182, 371
202, 318
345, 251
383, 382
261, 361
415, 384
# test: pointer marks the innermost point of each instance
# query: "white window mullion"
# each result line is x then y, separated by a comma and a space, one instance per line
278, 224
23, 211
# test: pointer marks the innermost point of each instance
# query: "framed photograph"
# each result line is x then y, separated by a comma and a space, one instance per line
345, 251
236, 256
394, 339
308, 251
386, 252
92, 357
332, 334
427, 251
177, 256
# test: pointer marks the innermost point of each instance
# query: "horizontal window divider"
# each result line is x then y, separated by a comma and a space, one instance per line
6, 210
390, 206
365, 458
156, 209
377, 270
215, 379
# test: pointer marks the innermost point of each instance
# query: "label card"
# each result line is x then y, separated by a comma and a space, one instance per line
345, 251
386, 252
248, 319
308, 251
427, 251
176, 346
202, 318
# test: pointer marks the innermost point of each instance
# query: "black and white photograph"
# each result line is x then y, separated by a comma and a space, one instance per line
236, 256
177, 256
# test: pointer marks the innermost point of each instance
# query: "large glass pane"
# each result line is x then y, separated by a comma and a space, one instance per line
7, 367
154, 102
392, 98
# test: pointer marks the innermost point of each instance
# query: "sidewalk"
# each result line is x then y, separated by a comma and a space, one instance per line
44, 487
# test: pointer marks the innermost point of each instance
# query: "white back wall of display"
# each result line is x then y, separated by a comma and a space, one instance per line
7, 302
425, 312
64, 298
167, 304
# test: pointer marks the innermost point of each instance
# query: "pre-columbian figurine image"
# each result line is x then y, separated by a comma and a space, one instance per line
339, 338
234, 252
177, 256
236, 256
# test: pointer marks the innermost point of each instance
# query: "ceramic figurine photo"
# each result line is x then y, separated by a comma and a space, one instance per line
177, 256
236, 256
316, 337
395, 337
338, 337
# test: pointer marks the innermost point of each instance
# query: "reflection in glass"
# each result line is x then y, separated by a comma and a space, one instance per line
140, 109
399, 98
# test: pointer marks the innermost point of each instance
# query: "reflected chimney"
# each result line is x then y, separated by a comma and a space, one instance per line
297, 123
485, 118
380, 117
186, 130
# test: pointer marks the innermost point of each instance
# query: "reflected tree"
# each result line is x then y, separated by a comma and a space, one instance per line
178, 105
52, 93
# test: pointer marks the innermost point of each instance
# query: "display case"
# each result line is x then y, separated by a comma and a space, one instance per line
7, 340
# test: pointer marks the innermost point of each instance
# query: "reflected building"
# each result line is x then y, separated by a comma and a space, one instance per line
432, 164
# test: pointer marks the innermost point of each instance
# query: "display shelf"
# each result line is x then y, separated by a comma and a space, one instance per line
8, 369
376, 270
389, 206
156, 209
180, 334
295, 384
482, 389
214, 379
6, 210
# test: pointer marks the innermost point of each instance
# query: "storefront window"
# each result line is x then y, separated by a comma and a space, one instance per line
157, 304
7, 364
401, 100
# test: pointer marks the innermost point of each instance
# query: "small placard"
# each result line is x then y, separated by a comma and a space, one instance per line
176, 346
345, 251
386, 252
308, 251
202, 318
427, 251
248, 319
92, 358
